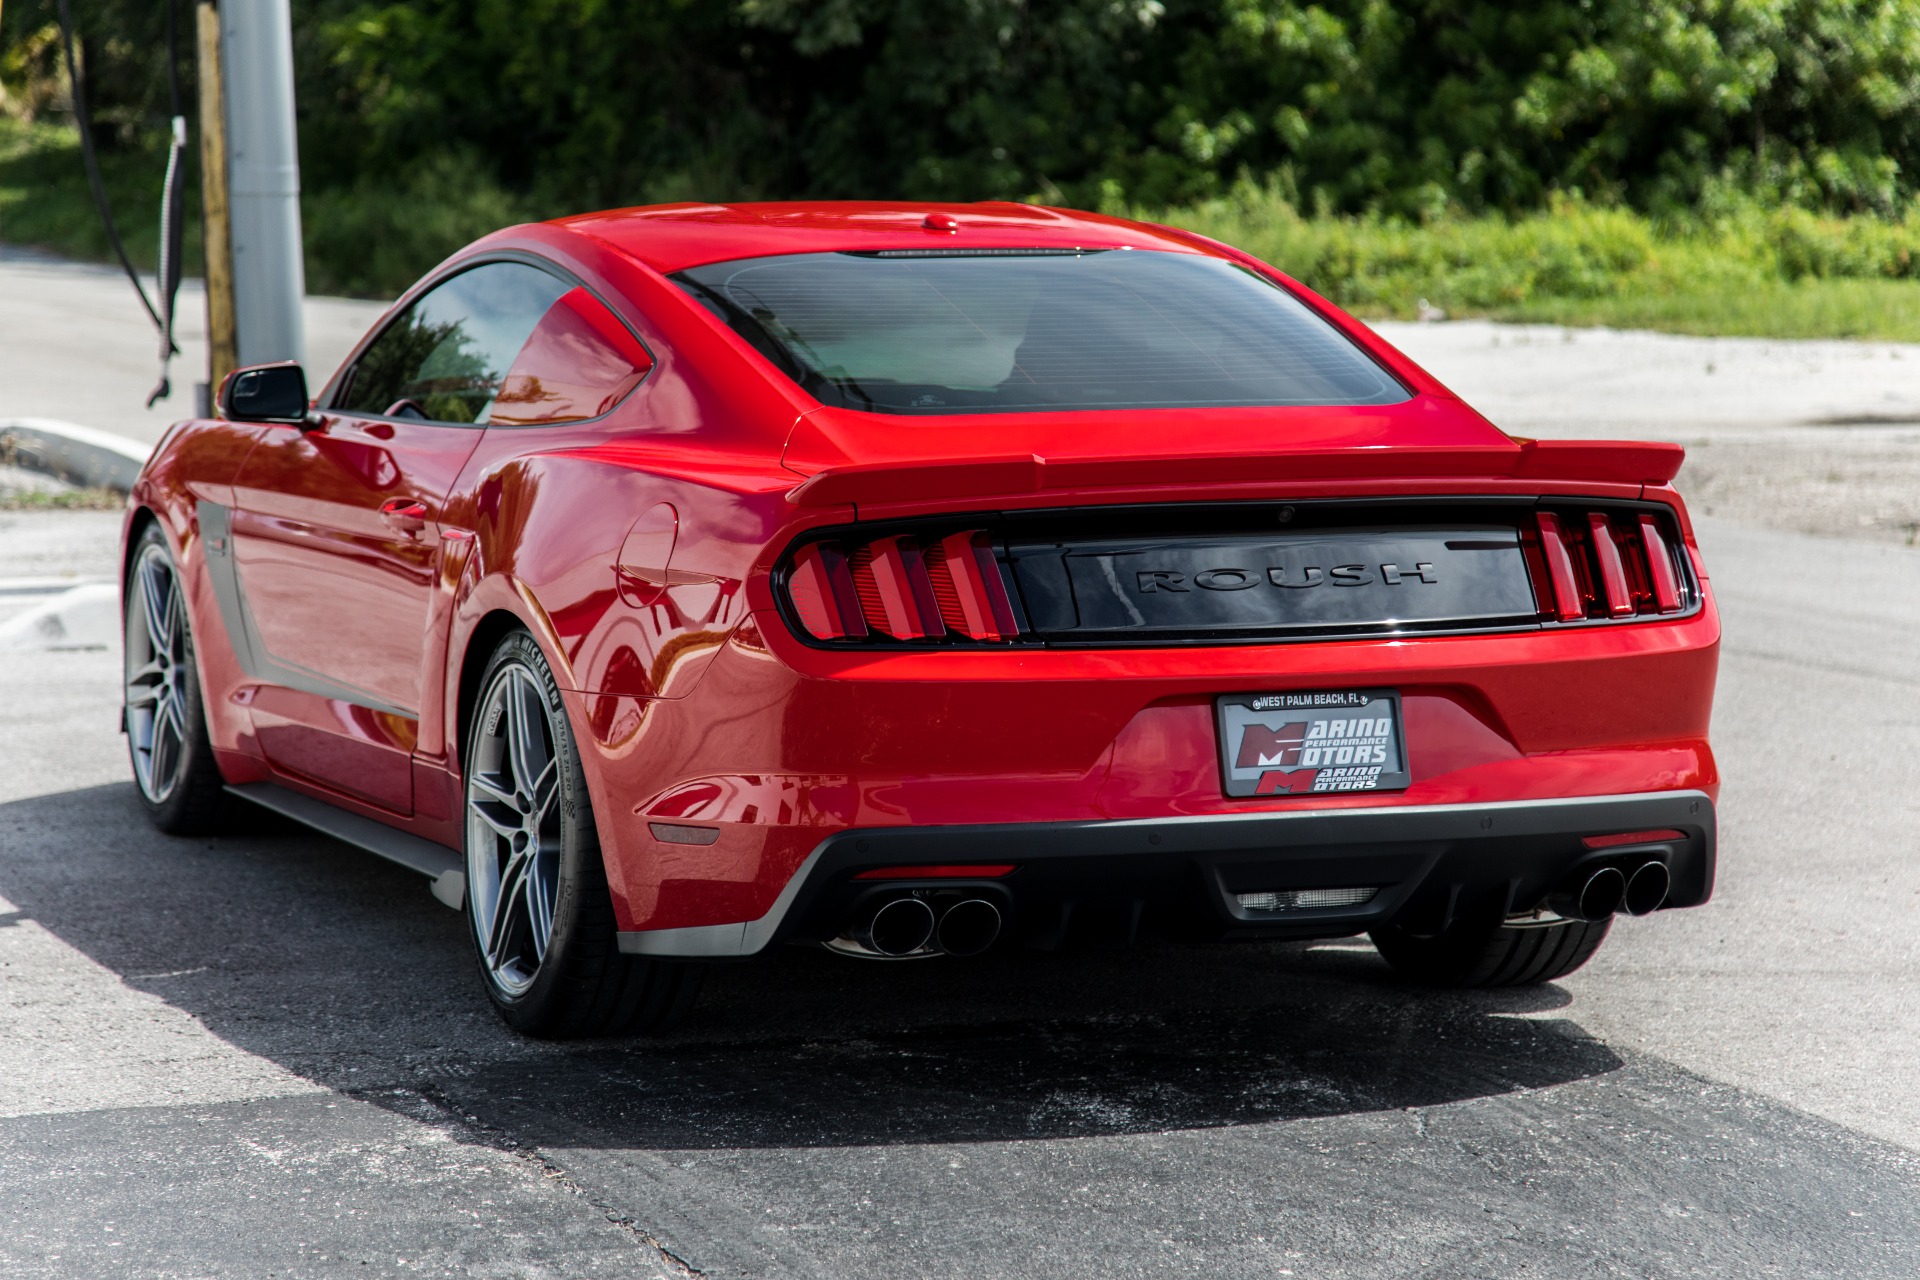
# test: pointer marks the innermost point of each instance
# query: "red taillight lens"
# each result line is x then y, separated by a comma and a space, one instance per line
1569, 602
1613, 574
1595, 564
891, 579
1665, 583
903, 587
966, 581
821, 588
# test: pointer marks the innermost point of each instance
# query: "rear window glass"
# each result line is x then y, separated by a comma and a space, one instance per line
947, 332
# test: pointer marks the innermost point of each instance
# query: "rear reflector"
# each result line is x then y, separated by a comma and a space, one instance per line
903, 587
942, 871
677, 833
1632, 837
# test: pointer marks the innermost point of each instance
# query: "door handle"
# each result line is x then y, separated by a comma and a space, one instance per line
409, 515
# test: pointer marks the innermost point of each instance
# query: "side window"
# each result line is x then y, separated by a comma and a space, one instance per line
579, 362
444, 359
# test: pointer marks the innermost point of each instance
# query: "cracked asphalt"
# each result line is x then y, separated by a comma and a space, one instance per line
268, 1055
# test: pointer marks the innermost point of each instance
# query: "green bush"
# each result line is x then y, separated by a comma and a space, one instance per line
373, 239
1407, 108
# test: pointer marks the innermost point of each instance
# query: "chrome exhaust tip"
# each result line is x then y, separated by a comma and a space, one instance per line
1647, 888
1595, 898
899, 928
968, 928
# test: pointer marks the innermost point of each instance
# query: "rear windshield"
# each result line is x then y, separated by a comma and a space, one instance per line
943, 332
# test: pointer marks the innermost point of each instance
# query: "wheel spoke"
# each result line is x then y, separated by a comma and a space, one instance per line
543, 791
525, 740
491, 791
511, 896
493, 805
156, 602
164, 751
484, 808
539, 908
144, 685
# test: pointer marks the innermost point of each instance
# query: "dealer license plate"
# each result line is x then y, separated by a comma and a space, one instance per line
1340, 740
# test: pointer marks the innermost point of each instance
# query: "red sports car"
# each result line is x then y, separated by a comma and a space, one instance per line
673, 583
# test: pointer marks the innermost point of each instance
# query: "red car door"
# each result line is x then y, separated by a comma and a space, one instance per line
337, 538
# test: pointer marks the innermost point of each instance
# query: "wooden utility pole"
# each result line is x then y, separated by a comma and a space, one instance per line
215, 206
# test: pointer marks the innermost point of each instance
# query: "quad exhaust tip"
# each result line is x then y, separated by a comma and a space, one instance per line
908, 928
1647, 888
1602, 894
968, 927
900, 927
1608, 890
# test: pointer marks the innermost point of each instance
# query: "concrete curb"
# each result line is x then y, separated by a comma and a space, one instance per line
79, 455
82, 617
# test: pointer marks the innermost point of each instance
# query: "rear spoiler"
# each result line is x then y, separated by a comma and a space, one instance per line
934, 480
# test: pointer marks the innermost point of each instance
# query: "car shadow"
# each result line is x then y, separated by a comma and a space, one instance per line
343, 969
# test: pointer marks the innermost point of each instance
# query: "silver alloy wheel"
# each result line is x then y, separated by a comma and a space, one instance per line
513, 828
158, 665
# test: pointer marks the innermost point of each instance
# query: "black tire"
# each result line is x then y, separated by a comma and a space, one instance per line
579, 983
1479, 954
165, 717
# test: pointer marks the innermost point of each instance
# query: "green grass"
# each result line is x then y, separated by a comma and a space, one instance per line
1751, 272
1782, 273
1886, 310
45, 203
64, 500
371, 240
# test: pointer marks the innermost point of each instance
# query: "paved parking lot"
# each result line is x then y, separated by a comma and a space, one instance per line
266, 1054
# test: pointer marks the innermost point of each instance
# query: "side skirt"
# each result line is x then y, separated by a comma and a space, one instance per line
443, 866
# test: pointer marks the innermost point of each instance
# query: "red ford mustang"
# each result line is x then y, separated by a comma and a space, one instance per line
674, 583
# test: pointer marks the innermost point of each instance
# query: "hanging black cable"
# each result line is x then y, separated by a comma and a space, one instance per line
168, 278
85, 121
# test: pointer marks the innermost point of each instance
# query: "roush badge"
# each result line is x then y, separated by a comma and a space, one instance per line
1315, 743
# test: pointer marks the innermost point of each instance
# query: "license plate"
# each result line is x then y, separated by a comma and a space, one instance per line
1320, 743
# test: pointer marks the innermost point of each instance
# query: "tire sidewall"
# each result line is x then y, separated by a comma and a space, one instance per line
195, 748
535, 1008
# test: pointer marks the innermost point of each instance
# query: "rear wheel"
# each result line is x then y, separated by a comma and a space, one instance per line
166, 721
1483, 954
537, 900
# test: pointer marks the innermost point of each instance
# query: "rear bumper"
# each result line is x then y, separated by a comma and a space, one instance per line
1427, 863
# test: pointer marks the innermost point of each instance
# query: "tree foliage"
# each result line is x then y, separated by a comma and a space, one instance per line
1409, 107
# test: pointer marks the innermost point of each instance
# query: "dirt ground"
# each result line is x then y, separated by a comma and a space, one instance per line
1841, 486
1805, 437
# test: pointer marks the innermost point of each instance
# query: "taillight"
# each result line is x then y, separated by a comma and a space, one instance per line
821, 590
903, 587
1604, 564
966, 582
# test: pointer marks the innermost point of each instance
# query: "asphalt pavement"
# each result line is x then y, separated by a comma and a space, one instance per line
267, 1054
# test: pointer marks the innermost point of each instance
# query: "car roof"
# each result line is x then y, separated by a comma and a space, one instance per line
674, 237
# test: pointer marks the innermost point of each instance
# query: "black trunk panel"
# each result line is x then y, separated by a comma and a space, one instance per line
1305, 583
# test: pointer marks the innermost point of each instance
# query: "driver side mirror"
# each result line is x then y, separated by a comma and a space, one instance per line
266, 393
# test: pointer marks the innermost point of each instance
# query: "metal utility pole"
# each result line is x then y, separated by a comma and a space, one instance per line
254, 77
216, 233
